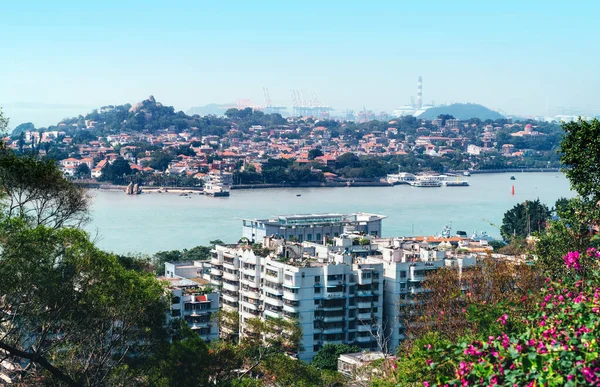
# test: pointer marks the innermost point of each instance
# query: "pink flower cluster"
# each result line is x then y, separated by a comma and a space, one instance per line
572, 260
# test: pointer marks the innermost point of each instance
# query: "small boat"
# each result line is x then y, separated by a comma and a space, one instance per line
512, 178
426, 183
466, 173
298, 195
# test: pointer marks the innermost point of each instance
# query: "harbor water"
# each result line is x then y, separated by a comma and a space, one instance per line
153, 222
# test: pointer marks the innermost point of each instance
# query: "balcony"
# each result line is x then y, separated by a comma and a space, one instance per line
364, 293
332, 307
273, 301
364, 316
291, 309
252, 283
276, 291
229, 265
215, 272
199, 325
291, 296
363, 339
333, 318
335, 295
231, 287
363, 305
271, 313
215, 261
250, 293
230, 276
250, 305
250, 272
363, 328
229, 297
331, 330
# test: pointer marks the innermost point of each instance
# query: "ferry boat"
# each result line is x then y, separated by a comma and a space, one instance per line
426, 183
457, 183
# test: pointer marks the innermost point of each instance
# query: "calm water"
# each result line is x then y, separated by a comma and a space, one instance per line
152, 222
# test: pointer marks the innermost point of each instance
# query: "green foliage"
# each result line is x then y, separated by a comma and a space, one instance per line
37, 191
523, 219
22, 128
195, 253
116, 172
314, 153
55, 280
327, 356
557, 344
83, 171
580, 153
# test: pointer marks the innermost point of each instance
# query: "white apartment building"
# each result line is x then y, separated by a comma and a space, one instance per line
332, 299
406, 265
195, 306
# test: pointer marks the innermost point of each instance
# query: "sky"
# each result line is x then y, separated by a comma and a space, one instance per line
525, 57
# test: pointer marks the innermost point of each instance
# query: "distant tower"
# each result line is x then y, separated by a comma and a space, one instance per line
420, 93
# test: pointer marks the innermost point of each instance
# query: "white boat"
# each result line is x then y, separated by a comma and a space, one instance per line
457, 183
426, 183
466, 173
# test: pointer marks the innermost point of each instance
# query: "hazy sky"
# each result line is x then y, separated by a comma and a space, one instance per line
508, 55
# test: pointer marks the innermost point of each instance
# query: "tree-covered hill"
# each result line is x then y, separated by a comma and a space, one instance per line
462, 111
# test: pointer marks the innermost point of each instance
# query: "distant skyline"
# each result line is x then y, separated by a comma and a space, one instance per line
514, 56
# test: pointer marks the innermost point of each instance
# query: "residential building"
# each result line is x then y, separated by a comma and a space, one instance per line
406, 265
311, 227
332, 299
194, 303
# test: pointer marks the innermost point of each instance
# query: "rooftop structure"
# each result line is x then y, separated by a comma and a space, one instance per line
312, 227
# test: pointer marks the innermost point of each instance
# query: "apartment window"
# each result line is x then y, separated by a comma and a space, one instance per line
309, 237
317, 290
317, 279
318, 237
175, 313
289, 277
403, 274
336, 234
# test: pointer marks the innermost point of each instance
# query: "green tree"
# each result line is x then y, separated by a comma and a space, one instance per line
3, 122
22, 128
314, 153
37, 191
580, 153
83, 171
523, 219
327, 357
69, 312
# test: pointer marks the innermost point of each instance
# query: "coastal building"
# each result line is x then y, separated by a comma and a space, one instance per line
311, 227
194, 302
332, 299
406, 265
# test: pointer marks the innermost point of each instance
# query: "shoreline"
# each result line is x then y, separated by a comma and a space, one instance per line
349, 184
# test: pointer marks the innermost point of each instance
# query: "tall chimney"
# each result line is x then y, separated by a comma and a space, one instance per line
420, 93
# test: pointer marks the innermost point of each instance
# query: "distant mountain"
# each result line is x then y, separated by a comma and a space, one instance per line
210, 109
462, 111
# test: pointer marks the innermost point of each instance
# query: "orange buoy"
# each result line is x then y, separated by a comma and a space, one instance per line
513, 190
